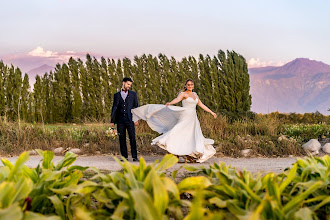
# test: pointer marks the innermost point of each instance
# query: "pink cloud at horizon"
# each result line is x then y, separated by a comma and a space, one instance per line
256, 62
38, 57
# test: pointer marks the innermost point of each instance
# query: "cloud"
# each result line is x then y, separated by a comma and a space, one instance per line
256, 62
39, 56
39, 52
57, 56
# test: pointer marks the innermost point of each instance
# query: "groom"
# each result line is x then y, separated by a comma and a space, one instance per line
123, 102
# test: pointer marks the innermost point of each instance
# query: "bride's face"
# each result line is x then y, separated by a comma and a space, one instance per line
190, 85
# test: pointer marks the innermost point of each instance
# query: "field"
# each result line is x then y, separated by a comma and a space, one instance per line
260, 134
157, 191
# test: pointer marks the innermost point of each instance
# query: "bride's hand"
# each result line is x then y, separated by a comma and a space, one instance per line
214, 115
167, 104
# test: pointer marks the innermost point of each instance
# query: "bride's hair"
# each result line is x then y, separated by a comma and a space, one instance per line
185, 88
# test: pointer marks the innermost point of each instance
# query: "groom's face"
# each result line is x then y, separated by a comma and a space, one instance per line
127, 85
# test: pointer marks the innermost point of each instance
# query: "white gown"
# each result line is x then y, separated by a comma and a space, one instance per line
180, 129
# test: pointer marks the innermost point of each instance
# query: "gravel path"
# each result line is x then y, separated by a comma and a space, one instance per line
108, 163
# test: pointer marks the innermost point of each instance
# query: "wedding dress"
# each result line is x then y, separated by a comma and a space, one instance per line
180, 128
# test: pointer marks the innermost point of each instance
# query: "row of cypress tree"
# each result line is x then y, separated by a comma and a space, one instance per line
80, 91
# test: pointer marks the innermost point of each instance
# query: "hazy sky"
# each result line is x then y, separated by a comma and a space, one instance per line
265, 32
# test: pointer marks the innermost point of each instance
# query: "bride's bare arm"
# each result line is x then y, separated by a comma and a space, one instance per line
177, 99
205, 108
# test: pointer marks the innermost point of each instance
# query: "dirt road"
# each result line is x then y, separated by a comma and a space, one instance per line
108, 163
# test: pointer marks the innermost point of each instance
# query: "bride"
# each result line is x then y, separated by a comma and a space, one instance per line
179, 126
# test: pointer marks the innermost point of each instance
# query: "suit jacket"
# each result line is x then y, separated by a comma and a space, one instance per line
132, 102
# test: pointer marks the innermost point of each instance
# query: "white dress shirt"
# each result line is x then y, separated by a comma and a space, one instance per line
123, 94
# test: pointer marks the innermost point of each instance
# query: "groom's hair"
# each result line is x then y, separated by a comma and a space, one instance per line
127, 79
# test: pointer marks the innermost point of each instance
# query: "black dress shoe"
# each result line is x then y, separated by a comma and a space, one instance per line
122, 160
136, 160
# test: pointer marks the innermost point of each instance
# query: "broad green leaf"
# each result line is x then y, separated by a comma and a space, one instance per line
234, 208
7, 163
86, 189
273, 190
47, 159
36, 216
297, 200
72, 179
7, 194
23, 187
66, 190
18, 165
218, 202
13, 212
76, 167
101, 196
143, 205
120, 210
81, 213
160, 195
175, 172
167, 162
325, 201
117, 191
68, 159
326, 160
4, 173
31, 173
48, 175
171, 187
40, 152
255, 214
197, 209
191, 168
142, 171
119, 162
195, 182
248, 190
59, 207
317, 198
130, 177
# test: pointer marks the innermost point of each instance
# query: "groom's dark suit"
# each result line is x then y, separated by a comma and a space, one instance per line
122, 116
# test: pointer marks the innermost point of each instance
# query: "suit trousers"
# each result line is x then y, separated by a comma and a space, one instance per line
130, 127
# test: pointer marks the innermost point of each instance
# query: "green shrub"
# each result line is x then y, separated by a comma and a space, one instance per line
145, 192
305, 132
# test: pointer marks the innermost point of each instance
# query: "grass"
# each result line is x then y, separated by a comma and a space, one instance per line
259, 134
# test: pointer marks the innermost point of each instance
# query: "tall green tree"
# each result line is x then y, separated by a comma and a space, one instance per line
24, 98
83, 91
139, 79
84, 82
236, 97
92, 89
206, 81
17, 89
3, 70
47, 98
76, 90
105, 88
167, 79
60, 92
38, 100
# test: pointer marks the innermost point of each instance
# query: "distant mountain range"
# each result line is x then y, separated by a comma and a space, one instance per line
302, 85
41, 70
